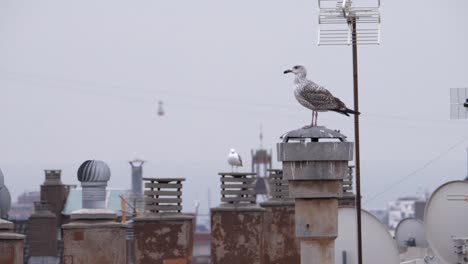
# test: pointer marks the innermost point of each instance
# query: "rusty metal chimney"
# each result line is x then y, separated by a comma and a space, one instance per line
279, 238
237, 224
163, 234
93, 236
315, 161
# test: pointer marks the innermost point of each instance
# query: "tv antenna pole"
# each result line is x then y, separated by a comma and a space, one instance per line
338, 21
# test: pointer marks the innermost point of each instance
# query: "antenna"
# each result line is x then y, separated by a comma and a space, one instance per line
445, 217
338, 20
458, 103
380, 246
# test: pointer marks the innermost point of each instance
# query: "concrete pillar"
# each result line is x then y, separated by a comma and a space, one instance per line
163, 234
237, 224
11, 244
42, 232
315, 171
93, 235
280, 244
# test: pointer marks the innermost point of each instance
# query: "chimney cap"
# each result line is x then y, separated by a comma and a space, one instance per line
94, 171
314, 133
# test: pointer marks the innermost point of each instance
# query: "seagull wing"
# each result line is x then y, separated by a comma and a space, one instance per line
320, 97
240, 159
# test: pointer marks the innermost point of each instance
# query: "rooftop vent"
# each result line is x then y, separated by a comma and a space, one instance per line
238, 188
163, 195
279, 187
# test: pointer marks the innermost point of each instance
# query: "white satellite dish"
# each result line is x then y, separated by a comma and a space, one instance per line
377, 244
446, 218
410, 233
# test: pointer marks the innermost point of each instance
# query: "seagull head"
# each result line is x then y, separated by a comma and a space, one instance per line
298, 70
232, 151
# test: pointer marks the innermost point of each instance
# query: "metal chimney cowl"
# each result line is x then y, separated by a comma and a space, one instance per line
93, 175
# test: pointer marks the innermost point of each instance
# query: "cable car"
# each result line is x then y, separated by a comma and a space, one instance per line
160, 109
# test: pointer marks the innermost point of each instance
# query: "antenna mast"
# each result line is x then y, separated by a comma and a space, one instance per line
338, 22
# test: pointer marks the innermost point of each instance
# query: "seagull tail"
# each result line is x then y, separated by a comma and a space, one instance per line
346, 111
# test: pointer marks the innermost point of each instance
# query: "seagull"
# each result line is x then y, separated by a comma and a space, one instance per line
234, 159
315, 97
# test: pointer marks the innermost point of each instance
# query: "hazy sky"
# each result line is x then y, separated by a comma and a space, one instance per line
81, 80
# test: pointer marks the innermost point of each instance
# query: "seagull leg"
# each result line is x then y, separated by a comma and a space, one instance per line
316, 117
313, 115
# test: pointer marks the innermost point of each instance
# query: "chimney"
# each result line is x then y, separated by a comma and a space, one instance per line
42, 232
279, 223
93, 175
236, 225
137, 176
54, 193
93, 235
315, 162
163, 235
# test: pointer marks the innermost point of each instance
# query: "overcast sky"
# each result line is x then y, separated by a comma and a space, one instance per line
81, 80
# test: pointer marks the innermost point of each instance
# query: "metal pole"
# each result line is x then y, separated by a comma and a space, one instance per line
356, 138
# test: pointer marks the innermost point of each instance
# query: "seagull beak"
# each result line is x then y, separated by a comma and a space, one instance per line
287, 71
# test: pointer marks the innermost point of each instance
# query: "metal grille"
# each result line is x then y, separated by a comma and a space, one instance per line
238, 188
348, 183
163, 195
335, 17
279, 187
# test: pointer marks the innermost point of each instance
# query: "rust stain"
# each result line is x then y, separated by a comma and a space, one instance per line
78, 235
161, 241
11, 252
175, 261
236, 237
106, 245
279, 239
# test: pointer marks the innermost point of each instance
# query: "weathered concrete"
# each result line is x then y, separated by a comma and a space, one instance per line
94, 241
11, 244
163, 238
315, 171
317, 218
236, 234
280, 244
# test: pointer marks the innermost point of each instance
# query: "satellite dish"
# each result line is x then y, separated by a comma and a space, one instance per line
458, 103
377, 244
446, 218
410, 233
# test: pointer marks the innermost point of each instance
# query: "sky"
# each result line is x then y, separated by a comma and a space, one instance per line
81, 80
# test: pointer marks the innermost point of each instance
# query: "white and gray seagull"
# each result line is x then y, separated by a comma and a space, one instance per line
315, 97
234, 159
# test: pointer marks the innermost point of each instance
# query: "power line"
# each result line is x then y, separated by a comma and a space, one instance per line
427, 164
110, 89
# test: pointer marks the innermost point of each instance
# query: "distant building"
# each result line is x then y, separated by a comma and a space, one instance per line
261, 164
405, 207
24, 207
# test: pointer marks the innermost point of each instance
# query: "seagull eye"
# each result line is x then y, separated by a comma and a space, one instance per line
295, 67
